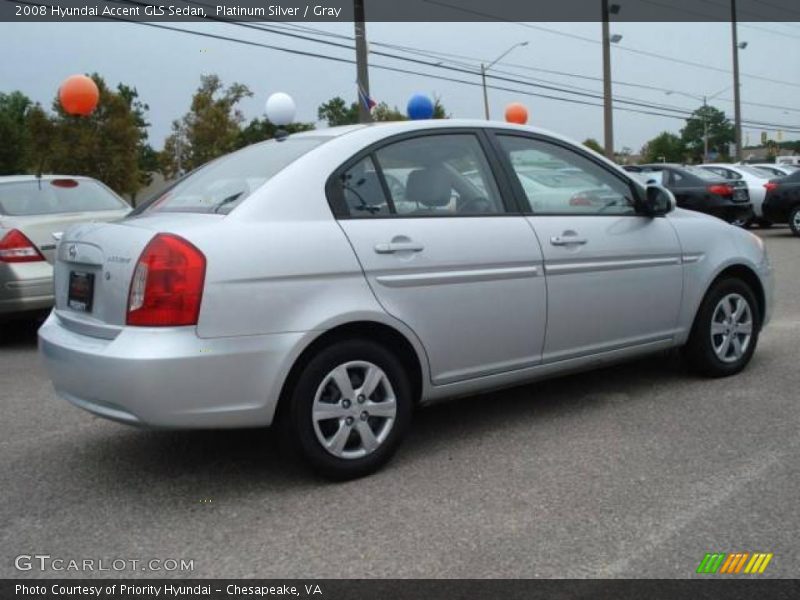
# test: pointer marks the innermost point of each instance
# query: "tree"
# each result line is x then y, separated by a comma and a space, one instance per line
666, 147
146, 156
210, 129
720, 132
259, 130
336, 112
103, 145
594, 145
13, 111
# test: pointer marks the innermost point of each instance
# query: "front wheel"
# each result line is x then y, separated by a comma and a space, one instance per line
725, 330
350, 409
794, 220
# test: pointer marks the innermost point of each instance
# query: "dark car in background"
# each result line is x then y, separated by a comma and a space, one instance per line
702, 191
782, 202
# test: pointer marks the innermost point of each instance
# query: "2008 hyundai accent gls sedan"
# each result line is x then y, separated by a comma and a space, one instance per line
334, 280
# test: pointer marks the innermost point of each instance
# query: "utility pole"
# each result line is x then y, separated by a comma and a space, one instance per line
705, 129
362, 72
608, 109
485, 92
737, 108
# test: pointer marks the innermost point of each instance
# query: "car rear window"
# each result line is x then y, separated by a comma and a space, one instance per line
54, 196
704, 174
222, 184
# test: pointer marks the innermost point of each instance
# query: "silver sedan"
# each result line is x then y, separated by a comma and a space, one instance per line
332, 281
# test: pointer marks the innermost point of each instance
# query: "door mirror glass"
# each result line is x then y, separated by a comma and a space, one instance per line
658, 201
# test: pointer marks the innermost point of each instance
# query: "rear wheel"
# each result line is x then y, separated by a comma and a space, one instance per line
794, 220
350, 409
725, 331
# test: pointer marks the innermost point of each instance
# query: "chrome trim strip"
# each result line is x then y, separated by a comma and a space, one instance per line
470, 276
692, 258
610, 265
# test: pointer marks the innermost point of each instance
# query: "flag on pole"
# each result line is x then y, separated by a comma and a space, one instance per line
368, 102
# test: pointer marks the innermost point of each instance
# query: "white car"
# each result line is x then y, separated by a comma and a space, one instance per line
755, 179
774, 170
319, 303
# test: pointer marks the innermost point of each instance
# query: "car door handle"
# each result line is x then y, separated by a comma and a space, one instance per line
393, 247
567, 240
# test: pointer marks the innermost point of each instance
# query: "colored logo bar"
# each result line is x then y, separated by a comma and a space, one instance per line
734, 563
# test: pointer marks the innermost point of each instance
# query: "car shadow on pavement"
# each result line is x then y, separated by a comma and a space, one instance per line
232, 462
19, 334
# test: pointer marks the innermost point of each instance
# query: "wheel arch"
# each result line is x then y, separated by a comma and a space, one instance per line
390, 337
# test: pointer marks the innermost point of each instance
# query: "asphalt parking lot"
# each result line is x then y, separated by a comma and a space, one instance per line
632, 471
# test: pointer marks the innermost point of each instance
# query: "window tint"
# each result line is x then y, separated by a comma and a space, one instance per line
557, 180
439, 175
51, 196
363, 192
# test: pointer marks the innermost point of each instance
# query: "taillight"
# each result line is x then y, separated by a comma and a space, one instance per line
720, 189
771, 185
167, 284
16, 248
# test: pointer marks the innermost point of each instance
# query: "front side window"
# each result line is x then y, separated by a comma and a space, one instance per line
557, 180
54, 196
444, 175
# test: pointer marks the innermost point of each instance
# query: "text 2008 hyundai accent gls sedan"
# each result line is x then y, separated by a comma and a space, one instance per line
336, 279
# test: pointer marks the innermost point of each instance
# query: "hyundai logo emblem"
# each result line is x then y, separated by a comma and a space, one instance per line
72, 251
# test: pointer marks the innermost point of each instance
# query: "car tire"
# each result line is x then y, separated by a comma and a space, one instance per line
720, 343
328, 427
794, 220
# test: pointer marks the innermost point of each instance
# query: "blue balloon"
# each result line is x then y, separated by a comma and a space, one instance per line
420, 107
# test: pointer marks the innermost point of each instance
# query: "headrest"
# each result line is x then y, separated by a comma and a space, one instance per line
429, 187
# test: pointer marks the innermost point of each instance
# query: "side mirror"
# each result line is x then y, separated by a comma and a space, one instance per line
658, 201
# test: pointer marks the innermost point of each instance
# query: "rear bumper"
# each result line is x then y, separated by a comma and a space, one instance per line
25, 286
168, 378
732, 212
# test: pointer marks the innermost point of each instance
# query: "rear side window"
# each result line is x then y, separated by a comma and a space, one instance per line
222, 184
54, 196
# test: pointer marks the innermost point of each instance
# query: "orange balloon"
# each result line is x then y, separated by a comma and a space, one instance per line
516, 113
78, 95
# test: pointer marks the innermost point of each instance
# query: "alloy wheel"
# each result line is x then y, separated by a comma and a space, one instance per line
731, 328
354, 409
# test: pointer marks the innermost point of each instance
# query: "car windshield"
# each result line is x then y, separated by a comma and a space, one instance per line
55, 196
224, 183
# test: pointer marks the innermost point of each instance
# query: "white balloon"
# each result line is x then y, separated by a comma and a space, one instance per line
280, 108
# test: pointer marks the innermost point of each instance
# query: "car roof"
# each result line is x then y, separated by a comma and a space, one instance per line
49, 177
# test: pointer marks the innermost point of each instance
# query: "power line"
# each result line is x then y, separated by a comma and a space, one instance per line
621, 48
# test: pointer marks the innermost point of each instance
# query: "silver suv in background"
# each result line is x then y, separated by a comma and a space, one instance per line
34, 212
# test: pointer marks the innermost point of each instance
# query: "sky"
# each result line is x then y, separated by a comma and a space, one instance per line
166, 66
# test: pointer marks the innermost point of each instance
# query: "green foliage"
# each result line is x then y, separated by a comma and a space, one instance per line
259, 130
594, 145
13, 132
210, 129
666, 147
104, 145
721, 132
336, 112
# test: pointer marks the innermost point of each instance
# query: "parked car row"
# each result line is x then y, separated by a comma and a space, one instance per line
742, 194
34, 212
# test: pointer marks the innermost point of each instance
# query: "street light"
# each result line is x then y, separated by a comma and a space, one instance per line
485, 68
737, 107
615, 39
705, 100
